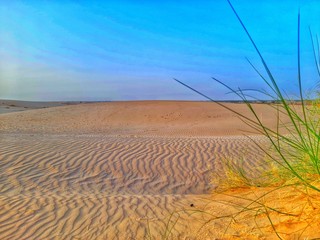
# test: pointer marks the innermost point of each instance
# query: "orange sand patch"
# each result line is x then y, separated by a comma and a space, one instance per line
264, 213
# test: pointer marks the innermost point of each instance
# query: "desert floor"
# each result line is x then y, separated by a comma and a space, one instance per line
133, 170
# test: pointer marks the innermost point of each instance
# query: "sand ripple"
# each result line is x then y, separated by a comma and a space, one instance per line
105, 187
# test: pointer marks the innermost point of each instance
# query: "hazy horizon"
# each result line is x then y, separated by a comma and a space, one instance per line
132, 50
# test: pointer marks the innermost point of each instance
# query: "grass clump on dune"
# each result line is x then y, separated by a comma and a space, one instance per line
292, 157
295, 144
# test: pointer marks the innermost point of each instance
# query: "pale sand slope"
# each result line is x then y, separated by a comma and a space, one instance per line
142, 118
135, 165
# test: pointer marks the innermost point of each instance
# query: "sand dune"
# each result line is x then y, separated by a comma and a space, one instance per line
116, 170
142, 118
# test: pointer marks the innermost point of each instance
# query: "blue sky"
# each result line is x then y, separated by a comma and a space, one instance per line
131, 50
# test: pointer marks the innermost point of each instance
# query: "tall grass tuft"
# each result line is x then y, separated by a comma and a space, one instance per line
295, 144
293, 154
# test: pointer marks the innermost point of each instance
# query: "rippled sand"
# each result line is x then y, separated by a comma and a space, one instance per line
85, 172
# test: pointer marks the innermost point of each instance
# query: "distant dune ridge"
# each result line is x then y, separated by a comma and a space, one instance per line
9, 106
168, 118
116, 170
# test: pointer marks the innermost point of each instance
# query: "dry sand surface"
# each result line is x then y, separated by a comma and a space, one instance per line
152, 118
124, 170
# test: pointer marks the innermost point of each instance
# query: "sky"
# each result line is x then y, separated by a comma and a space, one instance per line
132, 50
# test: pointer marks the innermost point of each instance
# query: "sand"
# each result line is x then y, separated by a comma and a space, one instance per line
152, 118
124, 170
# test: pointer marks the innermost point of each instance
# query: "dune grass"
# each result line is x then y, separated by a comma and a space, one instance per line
295, 144
292, 159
